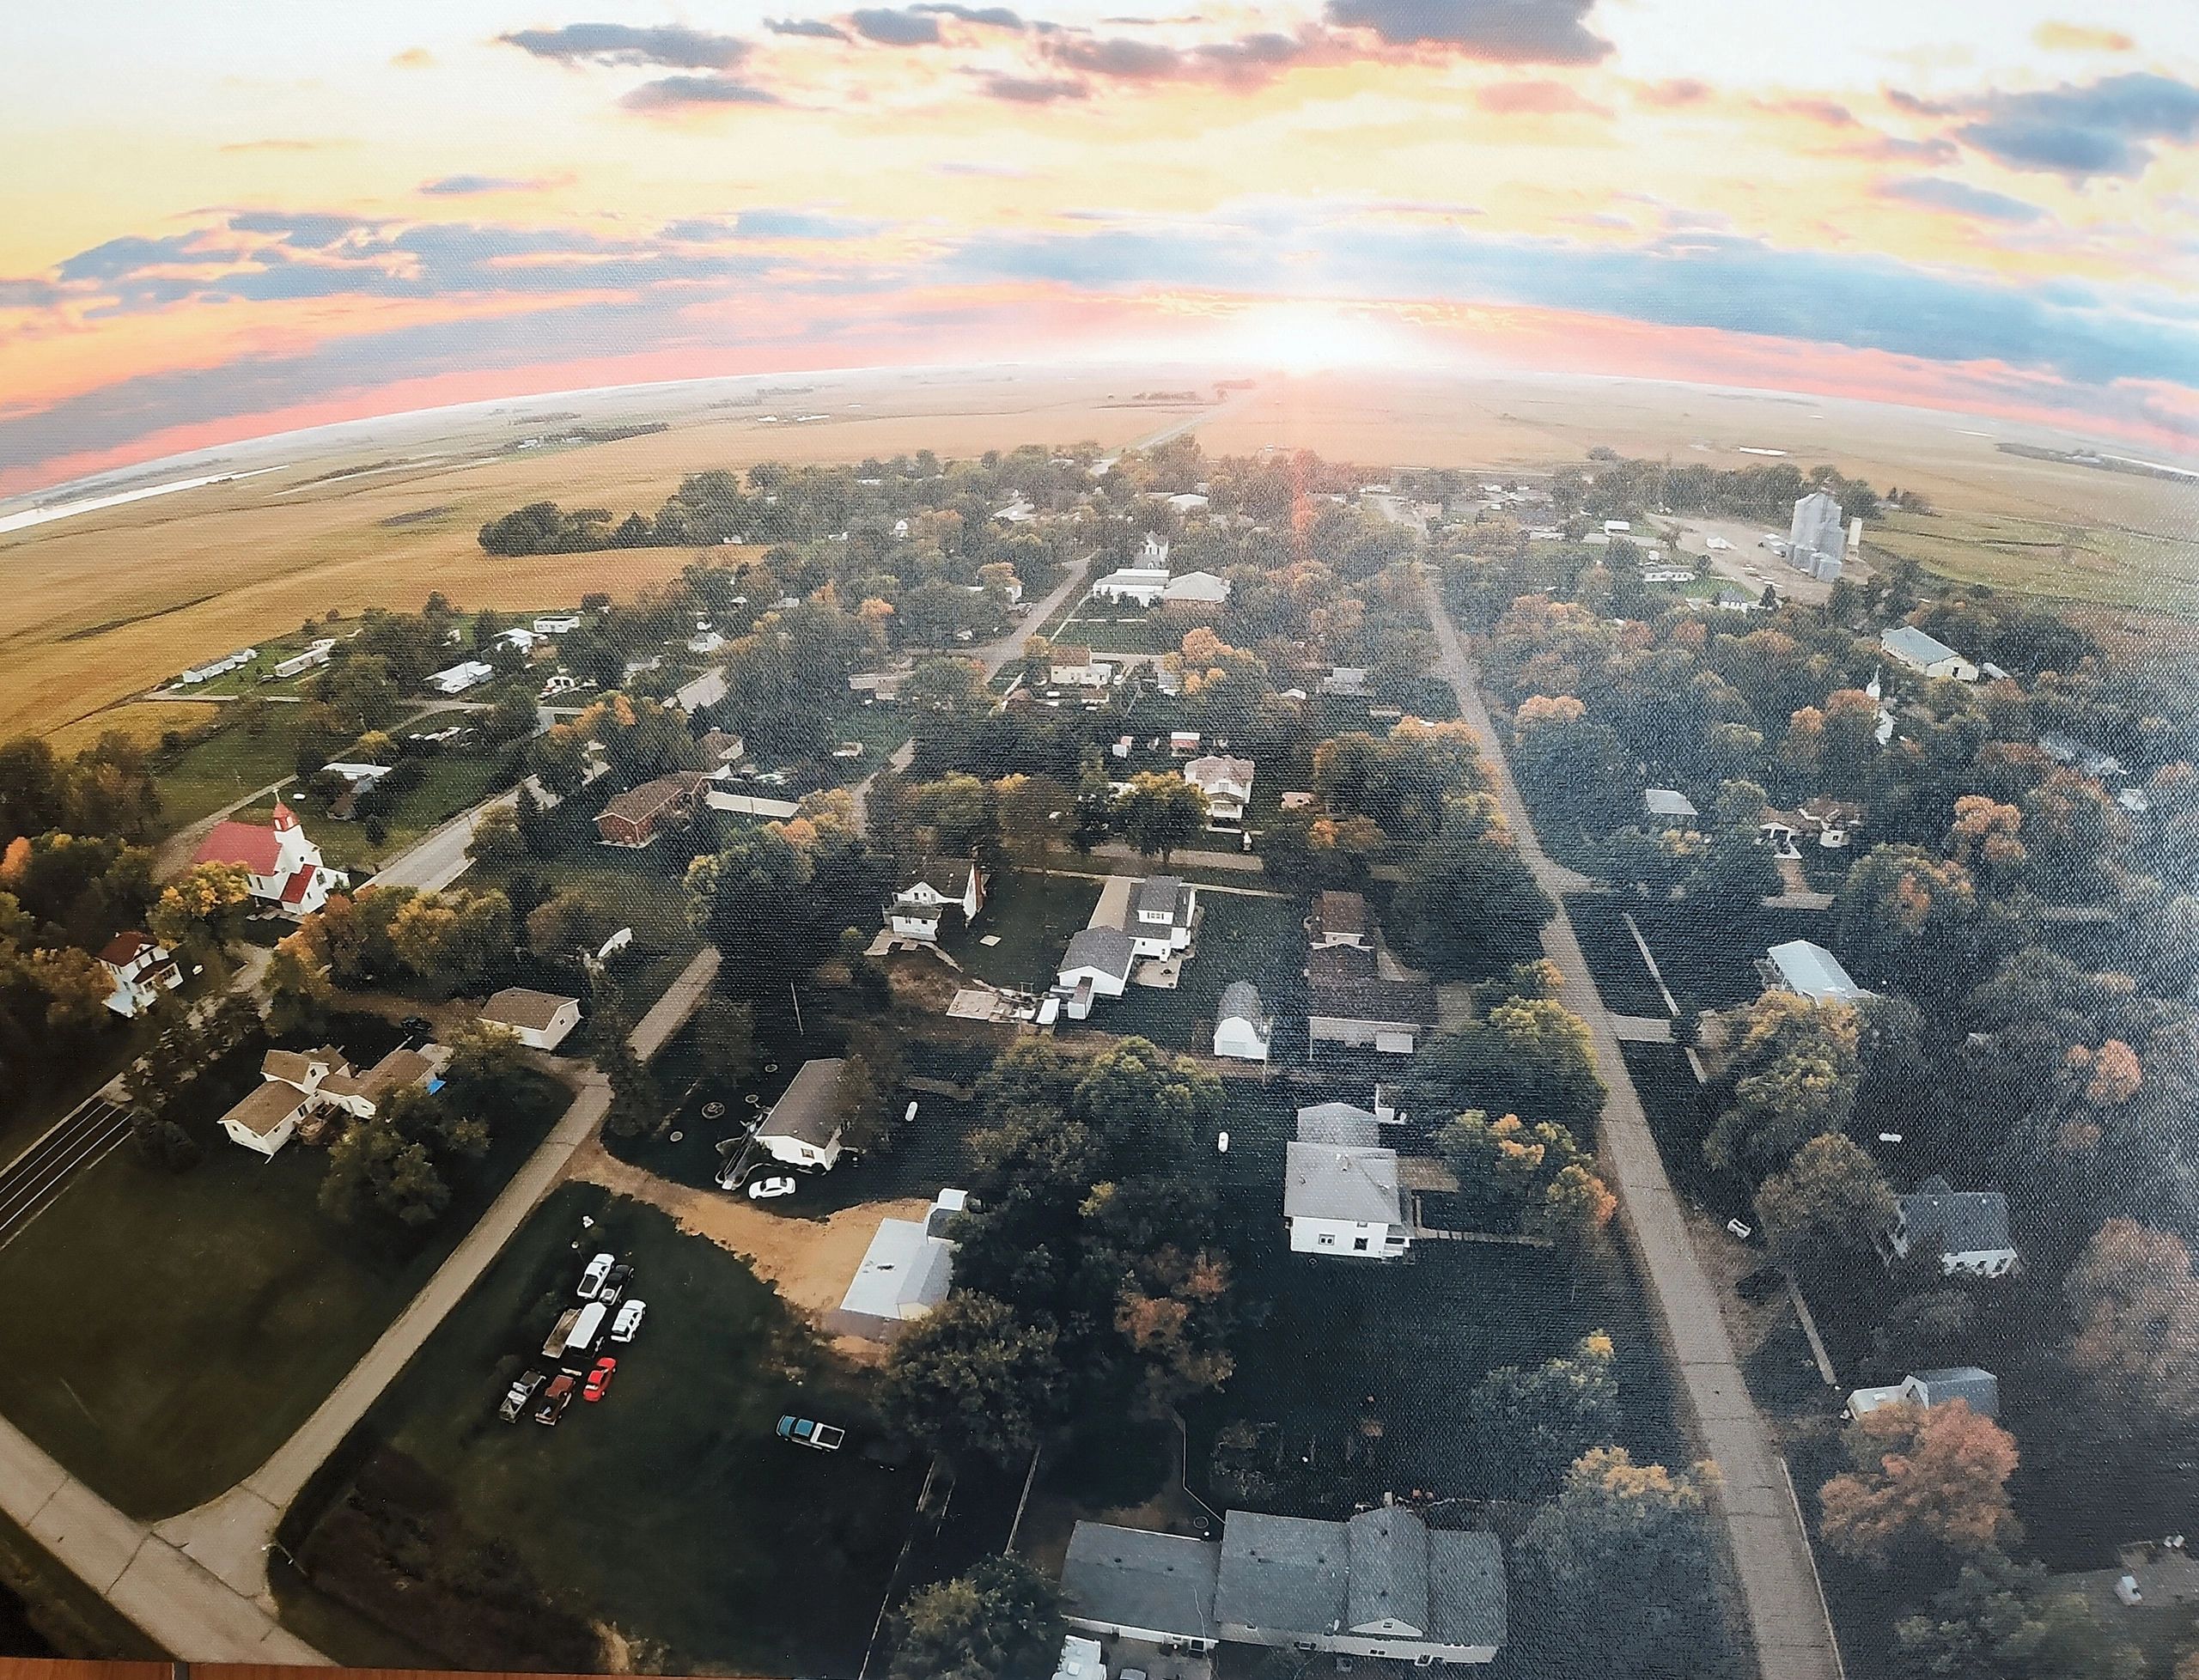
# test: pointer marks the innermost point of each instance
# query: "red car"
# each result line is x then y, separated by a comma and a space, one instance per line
598, 1379
555, 1399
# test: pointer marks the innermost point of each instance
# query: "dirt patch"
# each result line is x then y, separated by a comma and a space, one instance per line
808, 1261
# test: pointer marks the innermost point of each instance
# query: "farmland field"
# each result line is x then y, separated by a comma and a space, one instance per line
109, 603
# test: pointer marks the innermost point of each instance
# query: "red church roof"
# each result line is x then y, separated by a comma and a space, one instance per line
247, 845
294, 890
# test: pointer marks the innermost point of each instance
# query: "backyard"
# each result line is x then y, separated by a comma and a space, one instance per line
166, 1332
670, 1510
1240, 937
1032, 915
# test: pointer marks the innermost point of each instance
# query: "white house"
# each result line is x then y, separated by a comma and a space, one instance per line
1075, 667
1368, 1012
803, 1128
1097, 964
267, 1118
1197, 589
1968, 1229
1926, 655
1227, 784
141, 969
1344, 1199
540, 1020
1164, 912
457, 678
520, 639
1977, 1389
1810, 971
1153, 553
1242, 1030
905, 1272
316, 651
1143, 584
926, 889
285, 867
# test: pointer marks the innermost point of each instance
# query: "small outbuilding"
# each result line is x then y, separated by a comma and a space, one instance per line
540, 1020
1242, 1030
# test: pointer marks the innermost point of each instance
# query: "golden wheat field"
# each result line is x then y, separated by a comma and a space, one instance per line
102, 605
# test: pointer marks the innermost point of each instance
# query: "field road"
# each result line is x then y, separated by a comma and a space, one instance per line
1770, 1551
30, 1181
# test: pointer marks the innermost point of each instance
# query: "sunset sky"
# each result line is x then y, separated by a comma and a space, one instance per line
224, 219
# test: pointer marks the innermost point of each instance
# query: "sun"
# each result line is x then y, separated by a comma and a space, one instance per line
1312, 336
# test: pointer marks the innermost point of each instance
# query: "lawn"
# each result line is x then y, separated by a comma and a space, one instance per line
168, 1332
1707, 958
671, 1510
1240, 938
228, 765
453, 781
1034, 916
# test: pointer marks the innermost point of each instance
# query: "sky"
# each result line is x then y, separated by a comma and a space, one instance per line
224, 220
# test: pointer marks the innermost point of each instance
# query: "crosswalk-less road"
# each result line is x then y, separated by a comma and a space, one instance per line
29, 1184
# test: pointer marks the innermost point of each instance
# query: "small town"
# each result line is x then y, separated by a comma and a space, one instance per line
1009, 842
1179, 1099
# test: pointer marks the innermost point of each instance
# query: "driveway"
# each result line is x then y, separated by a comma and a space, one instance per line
1770, 1551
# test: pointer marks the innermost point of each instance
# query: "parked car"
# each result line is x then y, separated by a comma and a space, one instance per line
517, 1396
592, 1279
616, 1280
628, 1324
418, 1025
555, 1399
598, 1379
763, 1190
808, 1432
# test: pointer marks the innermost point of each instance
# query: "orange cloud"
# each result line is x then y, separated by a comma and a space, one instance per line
2058, 37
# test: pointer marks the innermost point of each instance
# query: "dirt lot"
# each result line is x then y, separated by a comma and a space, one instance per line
809, 1261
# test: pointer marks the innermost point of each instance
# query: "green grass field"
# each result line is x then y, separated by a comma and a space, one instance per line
228, 765
670, 1509
167, 1332
2103, 564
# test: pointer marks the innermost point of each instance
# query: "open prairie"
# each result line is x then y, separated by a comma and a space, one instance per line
103, 605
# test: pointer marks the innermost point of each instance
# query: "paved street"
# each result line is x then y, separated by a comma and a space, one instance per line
1770, 1551
29, 1184
437, 859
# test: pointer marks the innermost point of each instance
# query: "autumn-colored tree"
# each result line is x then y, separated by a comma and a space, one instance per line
1795, 1070
2136, 1343
1160, 814
1930, 1477
203, 903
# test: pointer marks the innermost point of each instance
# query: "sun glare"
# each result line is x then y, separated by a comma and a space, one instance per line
1311, 337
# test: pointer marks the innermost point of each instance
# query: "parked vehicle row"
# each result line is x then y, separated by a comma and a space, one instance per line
606, 1313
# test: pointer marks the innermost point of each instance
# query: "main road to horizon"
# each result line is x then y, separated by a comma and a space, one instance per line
1787, 1612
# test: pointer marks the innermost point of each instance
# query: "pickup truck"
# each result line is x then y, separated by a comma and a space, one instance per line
807, 1431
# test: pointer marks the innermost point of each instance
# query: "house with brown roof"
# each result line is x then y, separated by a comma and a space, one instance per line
141, 969
540, 1020
1341, 918
1369, 1013
632, 818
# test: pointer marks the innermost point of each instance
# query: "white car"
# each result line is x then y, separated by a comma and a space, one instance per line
628, 1324
763, 1189
592, 1280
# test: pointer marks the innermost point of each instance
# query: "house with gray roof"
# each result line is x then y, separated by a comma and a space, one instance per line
905, 1272
1381, 1586
1344, 1199
1808, 969
1132, 1583
804, 1126
1163, 913
1368, 1012
1926, 655
1978, 1390
1097, 964
1967, 1229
